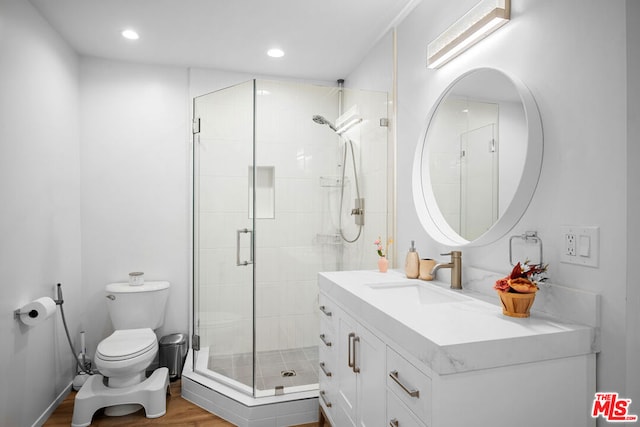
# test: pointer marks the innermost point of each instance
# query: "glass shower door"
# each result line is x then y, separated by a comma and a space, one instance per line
223, 238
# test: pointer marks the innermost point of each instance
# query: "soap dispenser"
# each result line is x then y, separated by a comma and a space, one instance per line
412, 263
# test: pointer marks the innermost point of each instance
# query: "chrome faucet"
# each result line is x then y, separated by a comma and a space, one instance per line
456, 269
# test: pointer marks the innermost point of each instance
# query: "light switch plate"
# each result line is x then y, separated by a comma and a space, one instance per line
580, 245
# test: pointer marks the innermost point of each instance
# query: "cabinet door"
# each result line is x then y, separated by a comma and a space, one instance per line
370, 358
346, 379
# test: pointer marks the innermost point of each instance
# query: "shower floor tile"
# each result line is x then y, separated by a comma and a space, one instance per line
271, 367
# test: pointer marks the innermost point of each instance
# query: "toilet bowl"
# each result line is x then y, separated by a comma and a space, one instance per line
124, 356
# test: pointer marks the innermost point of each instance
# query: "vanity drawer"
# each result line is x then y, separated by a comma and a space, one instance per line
398, 415
327, 337
326, 371
327, 348
326, 308
326, 397
409, 384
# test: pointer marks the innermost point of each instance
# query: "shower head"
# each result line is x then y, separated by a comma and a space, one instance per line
322, 121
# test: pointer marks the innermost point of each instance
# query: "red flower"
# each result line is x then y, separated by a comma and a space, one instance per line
502, 285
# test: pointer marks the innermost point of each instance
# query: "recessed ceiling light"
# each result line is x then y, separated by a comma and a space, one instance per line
275, 53
130, 34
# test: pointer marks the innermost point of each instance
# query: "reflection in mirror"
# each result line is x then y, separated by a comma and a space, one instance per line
480, 149
463, 164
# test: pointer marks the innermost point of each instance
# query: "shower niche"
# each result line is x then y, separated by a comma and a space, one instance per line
262, 190
265, 221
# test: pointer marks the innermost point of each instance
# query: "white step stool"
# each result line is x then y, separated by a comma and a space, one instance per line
151, 394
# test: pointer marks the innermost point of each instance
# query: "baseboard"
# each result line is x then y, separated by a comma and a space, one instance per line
50, 410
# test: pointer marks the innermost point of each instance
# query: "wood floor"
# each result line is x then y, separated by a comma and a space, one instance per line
180, 412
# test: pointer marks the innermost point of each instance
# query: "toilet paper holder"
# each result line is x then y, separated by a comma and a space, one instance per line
33, 313
17, 313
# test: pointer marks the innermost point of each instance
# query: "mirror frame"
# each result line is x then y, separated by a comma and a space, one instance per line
427, 208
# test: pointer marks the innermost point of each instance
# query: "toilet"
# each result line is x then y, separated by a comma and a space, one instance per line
123, 357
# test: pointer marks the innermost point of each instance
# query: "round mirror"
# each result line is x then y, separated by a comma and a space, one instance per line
480, 159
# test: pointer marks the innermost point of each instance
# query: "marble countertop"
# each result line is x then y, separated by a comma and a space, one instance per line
466, 334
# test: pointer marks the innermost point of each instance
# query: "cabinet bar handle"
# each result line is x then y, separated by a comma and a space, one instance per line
355, 340
327, 373
349, 345
394, 376
324, 399
324, 340
394, 423
325, 311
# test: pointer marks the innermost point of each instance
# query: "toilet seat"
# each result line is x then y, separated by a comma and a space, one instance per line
126, 344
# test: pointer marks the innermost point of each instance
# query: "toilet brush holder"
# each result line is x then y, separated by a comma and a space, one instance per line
82, 375
79, 380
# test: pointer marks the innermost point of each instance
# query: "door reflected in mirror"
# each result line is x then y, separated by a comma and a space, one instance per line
479, 151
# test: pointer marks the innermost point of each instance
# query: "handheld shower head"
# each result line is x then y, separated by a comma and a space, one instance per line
322, 121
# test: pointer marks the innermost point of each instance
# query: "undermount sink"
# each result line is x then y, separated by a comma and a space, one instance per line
416, 292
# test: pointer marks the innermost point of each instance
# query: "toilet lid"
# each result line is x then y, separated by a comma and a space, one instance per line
126, 344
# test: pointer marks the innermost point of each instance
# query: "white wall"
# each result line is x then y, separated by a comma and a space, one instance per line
39, 209
135, 185
572, 56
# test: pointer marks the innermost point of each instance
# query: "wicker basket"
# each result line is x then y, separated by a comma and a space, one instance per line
515, 304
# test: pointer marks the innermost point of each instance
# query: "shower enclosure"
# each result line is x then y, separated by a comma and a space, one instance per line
268, 184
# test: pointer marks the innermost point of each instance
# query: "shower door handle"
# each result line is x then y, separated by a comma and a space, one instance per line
239, 232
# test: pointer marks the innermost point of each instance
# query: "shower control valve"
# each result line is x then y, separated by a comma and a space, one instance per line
358, 211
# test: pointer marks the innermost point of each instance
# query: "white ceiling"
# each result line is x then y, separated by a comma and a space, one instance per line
322, 39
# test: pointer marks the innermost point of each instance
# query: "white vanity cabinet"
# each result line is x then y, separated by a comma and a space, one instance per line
355, 390
405, 364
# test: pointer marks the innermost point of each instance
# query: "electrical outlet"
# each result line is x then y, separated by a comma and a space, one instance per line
580, 245
570, 244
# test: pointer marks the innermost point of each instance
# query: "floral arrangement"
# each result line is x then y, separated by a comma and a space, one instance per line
524, 278
378, 243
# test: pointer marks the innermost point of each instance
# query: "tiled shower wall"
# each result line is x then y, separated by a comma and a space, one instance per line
300, 238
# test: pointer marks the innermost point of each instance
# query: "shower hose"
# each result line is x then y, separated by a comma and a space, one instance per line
355, 175
60, 302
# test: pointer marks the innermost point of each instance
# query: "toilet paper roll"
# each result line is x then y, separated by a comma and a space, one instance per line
37, 311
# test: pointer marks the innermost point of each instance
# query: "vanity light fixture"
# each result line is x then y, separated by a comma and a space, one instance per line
485, 17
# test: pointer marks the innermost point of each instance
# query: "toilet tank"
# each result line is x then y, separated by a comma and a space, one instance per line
133, 307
